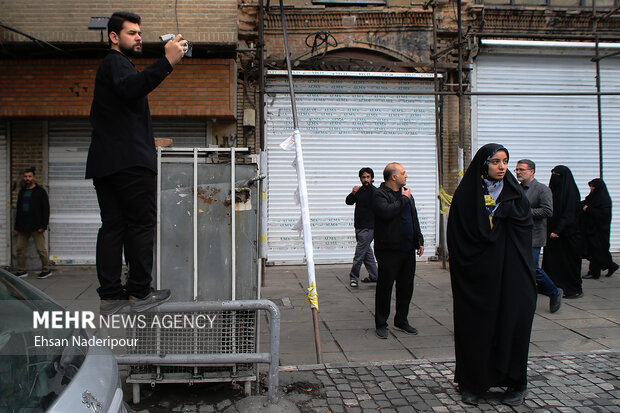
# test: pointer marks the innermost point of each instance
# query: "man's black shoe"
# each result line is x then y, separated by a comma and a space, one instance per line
407, 329
153, 299
109, 307
612, 270
22, 274
555, 302
514, 396
573, 296
589, 276
368, 280
469, 398
44, 274
382, 333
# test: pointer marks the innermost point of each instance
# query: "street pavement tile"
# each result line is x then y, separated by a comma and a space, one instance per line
579, 324
386, 354
611, 315
364, 340
543, 323
596, 333
421, 341
433, 352
555, 335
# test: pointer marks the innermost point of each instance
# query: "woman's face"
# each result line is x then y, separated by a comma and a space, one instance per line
591, 188
498, 164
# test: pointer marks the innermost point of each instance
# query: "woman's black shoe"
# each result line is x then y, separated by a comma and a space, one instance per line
589, 276
612, 270
574, 295
514, 396
469, 398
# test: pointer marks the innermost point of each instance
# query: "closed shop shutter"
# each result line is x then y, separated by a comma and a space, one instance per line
74, 219
551, 130
341, 133
5, 225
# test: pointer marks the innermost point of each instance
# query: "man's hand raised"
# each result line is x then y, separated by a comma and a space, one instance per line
175, 49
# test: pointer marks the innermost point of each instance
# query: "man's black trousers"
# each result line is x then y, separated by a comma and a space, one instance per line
394, 267
128, 214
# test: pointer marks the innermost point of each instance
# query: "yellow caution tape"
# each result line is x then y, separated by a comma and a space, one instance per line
313, 297
445, 200
460, 173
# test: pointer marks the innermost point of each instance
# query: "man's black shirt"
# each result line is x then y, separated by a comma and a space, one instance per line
364, 215
120, 116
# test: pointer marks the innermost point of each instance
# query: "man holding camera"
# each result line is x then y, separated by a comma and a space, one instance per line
122, 162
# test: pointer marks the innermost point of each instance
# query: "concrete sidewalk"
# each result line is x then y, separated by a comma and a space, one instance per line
347, 318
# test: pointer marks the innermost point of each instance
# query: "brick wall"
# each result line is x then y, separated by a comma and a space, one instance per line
46, 88
213, 21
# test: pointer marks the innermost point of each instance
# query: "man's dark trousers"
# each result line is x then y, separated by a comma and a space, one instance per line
128, 212
399, 267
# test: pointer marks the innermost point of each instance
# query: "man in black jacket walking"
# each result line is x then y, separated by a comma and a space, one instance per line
31, 220
122, 163
364, 223
397, 238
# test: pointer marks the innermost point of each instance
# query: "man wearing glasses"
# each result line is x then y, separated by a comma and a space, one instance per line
541, 201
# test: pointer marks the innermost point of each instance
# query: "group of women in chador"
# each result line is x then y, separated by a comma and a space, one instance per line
492, 273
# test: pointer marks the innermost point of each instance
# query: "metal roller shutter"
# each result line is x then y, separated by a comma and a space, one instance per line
551, 130
342, 132
5, 204
74, 219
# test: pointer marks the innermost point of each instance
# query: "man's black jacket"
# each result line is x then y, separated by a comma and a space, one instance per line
39, 215
122, 129
364, 216
387, 205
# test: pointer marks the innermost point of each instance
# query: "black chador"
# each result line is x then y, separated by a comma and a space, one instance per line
562, 254
492, 275
595, 224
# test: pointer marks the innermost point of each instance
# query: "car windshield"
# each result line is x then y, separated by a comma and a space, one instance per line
36, 364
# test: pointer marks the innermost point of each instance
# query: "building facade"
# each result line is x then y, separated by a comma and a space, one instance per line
421, 83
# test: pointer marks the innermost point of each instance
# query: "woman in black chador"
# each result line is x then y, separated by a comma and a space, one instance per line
564, 249
595, 224
492, 275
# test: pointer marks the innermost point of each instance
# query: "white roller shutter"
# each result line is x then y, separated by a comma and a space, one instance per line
610, 108
74, 212
5, 225
550, 130
74, 219
341, 133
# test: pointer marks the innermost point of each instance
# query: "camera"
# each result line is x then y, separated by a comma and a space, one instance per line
167, 37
